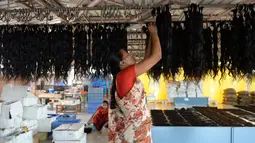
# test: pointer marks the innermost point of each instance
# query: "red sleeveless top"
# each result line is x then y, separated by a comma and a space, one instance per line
125, 81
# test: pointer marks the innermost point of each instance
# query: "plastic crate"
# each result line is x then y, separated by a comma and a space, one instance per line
95, 90
92, 107
66, 117
58, 123
95, 98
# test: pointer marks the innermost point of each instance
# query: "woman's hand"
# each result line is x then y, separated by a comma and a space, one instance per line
152, 28
154, 56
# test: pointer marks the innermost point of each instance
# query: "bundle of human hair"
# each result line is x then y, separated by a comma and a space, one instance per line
97, 50
32, 52
208, 46
177, 49
247, 62
215, 40
61, 47
106, 38
167, 36
19, 52
43, 50
164, 27
226, 49
211, 41
242, 47
195, 61
81, 51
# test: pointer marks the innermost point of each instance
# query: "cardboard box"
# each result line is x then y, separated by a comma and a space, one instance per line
10, 123
29, 100
35, 112
82, 140
69, 132
24, 137
40, 137
45, 124
13, 92
11, 109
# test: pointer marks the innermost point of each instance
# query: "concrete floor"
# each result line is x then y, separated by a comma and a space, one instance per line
96, 137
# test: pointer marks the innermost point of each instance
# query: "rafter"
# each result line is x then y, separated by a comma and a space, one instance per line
24, 5
43, 3
94, 3
91, 4
114, 2
46, 5
80, 2
55, 3
147, 13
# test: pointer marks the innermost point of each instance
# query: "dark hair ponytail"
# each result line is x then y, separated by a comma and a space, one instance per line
113, 90
114, 65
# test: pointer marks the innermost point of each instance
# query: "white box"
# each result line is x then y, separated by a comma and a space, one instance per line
7, 132
82, 140
13, 92
35, 112
45, 124
11, 109
29, 100
10, 123
71, 132
25, 137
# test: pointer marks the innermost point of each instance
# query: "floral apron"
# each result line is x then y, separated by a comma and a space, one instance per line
130, 122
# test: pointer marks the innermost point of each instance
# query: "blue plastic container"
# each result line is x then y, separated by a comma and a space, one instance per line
92, 107
51, 90
58, 123
66, 117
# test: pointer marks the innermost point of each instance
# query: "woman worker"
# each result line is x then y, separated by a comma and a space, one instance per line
129, 118
99, 118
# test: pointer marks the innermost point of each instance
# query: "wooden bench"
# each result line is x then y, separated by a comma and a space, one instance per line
61, 108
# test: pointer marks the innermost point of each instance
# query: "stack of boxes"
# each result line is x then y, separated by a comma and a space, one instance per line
252, 97
243, 98
95, 98
229, 96
11, 116
20, 115
172, 91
